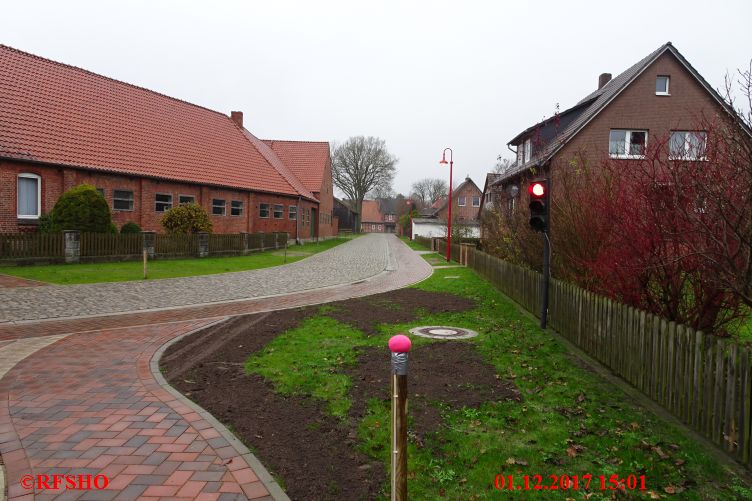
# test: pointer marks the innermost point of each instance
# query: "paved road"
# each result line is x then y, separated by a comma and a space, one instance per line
356, 260
84, 395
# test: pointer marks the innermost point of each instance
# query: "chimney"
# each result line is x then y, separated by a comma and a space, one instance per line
602, 80
237, 117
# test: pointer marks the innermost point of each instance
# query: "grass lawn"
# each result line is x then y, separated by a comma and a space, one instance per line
67, 274
570, 421
413, 244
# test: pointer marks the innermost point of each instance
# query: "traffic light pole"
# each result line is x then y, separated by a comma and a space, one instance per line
546, 274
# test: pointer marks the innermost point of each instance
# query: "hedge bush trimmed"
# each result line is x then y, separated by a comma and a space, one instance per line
186, 219
82, 208
130, 227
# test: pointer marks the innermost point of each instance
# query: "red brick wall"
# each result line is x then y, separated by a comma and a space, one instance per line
326, 198
56, 180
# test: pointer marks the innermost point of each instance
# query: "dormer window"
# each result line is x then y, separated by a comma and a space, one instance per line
661, 85
528, 150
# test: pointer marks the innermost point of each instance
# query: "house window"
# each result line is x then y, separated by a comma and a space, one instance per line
163, 202
236, 208
627, 143
661, 85
122, 200
476, 201
292, 212
528, 150
279, 211
186, 199
687, 145
461, 201
219, 207
264, 210
29, 196
511, 204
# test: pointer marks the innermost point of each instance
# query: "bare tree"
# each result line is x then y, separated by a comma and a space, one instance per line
502, 165
427, 190
362, 165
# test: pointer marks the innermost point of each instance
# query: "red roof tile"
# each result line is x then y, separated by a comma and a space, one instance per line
307, 159
370, 212
55, 113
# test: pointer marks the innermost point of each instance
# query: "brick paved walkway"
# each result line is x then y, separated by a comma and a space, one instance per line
356, 260
88, 402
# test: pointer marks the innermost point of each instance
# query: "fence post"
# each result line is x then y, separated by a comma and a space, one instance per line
244, 243
203, 244
72, 240
149, 240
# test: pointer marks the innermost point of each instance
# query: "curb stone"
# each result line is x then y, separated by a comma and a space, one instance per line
275, 491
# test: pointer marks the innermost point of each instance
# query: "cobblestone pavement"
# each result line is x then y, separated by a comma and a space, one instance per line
355, 260
7, 281
75, 402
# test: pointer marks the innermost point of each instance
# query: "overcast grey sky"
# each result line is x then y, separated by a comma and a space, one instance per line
421, 75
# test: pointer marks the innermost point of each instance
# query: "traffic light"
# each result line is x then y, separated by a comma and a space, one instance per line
539, 204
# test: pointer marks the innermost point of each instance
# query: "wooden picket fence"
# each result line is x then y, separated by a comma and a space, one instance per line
701, 379
30, 245
28, 248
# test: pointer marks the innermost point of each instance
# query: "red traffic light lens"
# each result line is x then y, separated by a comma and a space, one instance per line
537, 189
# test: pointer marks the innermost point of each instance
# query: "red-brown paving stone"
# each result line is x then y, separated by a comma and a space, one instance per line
8, 281
93, 394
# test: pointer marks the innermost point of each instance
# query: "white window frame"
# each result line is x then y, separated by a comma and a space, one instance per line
461, 201
687, 145
261, 210
528, 152
292, 212
236, 205
281, 211
181, 197
222, 206
627, 143
157, 202
668, 85
473, 201
115, 198
38, 178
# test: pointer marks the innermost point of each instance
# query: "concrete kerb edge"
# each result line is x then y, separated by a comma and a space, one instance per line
275, 491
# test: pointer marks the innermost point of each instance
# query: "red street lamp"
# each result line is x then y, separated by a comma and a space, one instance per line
449, 221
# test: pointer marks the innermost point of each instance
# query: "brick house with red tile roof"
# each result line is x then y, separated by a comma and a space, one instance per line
61, 126
371, 219
311, 163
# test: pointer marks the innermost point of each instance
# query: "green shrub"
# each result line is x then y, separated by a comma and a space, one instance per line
186, 218
45, 224
130, 227
82, 208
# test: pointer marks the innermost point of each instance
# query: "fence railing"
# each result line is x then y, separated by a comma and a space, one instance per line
701, 379
29, 248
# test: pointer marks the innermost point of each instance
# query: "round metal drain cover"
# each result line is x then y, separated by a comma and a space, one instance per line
443, 332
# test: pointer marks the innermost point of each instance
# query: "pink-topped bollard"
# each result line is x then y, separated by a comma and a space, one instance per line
400, 346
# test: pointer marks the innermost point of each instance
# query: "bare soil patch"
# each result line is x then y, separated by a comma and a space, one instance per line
312, 453
450, 372
400, 306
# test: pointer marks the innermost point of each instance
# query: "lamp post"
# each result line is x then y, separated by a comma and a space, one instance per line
449, 219
410, 208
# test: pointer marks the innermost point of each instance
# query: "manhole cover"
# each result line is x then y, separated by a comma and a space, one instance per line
442, 332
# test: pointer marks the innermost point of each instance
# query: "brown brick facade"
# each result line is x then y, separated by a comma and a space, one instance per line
467, 212
638, 107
